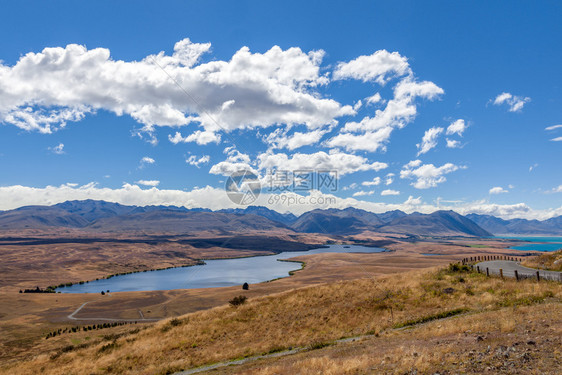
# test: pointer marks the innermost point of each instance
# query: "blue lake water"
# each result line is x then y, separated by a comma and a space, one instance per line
215, 273
543, 243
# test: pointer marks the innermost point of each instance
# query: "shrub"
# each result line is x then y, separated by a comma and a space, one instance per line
237, 301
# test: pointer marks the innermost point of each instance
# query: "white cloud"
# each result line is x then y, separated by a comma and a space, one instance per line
498, 190
374, 182
198, 136
553, 127
427, 175
413, 163
350, 186
146, 161
514, 102
389, 179
59, 149
457, 127
556, 189
362, 193
280, 139
557, 139
429, 140
195, 161
533, 167
411, 201
374, 99
320, 161
390, 192
44, 90
235, 162
379, 67
451, 143
152, 183
370, 141
397, 113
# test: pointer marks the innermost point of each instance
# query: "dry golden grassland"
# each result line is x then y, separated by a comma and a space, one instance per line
509, 340
549, 261
306, 317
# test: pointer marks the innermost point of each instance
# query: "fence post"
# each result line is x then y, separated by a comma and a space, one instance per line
538, 276
478, 269
501, 273
516, 275
488, 272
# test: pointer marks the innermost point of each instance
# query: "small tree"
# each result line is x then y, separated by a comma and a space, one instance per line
245, 286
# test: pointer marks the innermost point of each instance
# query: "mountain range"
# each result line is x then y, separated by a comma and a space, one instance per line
552, 227
114, 217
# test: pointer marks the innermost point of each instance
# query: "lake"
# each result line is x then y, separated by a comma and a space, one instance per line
544, 243
213, 274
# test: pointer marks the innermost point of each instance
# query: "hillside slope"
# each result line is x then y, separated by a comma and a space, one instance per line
310, 317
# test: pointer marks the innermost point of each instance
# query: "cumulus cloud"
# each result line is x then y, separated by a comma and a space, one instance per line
429, 140
374, 182
457, 127
514, 102
390, 192
379, 67
153, 183
498, 190
146, 161
426, 175
411, 201
362, 193
389, 179
351, 186
374, 99
198, 136
451, 143
236, 161
45, 90
320, 161
197, 161
59, 149
374, 132
280, 139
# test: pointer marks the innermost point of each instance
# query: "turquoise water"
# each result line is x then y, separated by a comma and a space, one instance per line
549, 243
215, 273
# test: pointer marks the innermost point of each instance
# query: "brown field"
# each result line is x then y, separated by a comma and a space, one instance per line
25, 319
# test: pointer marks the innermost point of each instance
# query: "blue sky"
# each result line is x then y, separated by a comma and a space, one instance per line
122, 106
